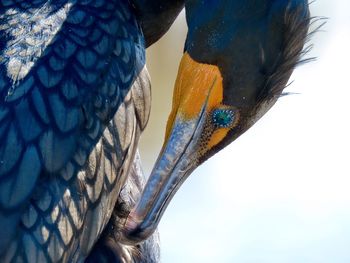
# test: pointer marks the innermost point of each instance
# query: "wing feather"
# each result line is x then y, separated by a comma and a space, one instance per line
55, 60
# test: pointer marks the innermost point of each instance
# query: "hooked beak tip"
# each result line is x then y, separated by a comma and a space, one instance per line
133, 231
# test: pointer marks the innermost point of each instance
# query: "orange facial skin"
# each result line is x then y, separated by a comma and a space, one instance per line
197, 84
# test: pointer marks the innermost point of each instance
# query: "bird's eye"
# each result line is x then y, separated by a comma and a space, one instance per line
223, 118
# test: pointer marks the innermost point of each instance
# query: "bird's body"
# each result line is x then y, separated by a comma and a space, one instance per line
75, 96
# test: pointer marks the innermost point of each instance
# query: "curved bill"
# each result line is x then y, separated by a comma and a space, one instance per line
198, 88
176, 162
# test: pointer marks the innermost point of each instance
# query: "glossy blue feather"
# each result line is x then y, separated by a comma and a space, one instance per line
58, 57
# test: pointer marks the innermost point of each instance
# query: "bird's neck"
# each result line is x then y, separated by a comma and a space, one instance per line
156, 16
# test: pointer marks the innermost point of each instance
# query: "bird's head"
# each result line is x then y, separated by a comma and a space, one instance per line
237, 59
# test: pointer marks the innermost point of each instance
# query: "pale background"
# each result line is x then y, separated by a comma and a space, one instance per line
280, 193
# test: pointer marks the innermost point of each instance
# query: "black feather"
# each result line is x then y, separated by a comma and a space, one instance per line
294, 48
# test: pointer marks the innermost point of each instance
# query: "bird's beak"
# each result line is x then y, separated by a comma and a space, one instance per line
198, 89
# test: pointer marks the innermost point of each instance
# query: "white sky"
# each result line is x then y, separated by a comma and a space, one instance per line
280, 193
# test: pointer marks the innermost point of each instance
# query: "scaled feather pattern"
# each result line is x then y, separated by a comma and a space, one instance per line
71, 110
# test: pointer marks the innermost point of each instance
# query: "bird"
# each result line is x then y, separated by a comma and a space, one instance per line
75, 97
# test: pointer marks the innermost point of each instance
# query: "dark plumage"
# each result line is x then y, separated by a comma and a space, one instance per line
156, 16
74, 97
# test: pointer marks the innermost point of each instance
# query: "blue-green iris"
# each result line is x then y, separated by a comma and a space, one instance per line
223, 117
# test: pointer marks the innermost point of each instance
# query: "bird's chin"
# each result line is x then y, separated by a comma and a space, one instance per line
175, 163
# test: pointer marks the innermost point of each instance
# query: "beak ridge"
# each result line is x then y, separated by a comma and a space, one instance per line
175, 163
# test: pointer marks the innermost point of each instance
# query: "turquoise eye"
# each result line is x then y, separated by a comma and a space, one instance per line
223, 118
